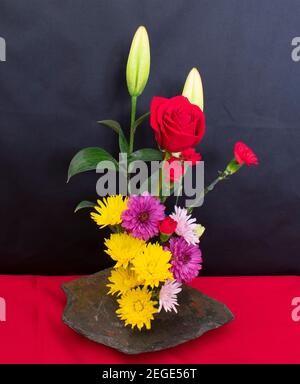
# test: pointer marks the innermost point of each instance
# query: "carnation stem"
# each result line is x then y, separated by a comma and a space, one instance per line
132, 123
222, 176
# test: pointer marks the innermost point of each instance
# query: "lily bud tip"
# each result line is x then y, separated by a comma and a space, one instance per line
193, 88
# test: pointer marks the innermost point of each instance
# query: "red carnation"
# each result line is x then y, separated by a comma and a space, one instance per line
174, 169
244, 155
167, 226
190, 154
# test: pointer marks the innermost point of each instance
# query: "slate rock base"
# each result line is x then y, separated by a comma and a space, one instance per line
91, 312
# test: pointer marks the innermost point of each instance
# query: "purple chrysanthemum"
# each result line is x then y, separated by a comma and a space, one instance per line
186, 259
143, 215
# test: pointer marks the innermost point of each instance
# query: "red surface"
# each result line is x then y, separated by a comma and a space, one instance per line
263, 331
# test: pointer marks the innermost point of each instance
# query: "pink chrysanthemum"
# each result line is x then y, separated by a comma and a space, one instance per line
186, 225
168, 296
143, 216
186, 259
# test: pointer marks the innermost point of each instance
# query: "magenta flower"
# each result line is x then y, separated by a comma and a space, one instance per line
143, 216
186, 259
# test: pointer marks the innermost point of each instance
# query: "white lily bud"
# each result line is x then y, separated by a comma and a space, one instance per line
193, 88
138, 64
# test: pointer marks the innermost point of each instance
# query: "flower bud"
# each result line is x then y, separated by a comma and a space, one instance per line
138, 64
193, 88
164, 237
167, 226
199, 230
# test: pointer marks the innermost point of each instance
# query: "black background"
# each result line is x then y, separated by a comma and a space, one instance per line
65, 70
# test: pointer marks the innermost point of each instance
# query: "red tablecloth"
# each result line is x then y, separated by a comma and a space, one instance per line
263, 331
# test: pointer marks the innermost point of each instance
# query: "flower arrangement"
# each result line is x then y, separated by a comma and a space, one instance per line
154, 252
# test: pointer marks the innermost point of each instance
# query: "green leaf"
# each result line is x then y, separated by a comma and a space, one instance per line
123, 143
111, 124
146, 154
87, 159
114, 125
141, 119
84, 204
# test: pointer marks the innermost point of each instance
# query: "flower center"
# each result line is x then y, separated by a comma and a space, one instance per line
183, 117
138, 306
143, 217
185, 259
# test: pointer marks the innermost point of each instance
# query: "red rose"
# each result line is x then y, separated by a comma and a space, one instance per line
167, 226
190, 154
244, 155
178, 124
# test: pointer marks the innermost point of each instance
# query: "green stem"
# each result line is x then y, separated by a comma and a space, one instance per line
116, 228
210, 187
179, 191
160, 184
132, 123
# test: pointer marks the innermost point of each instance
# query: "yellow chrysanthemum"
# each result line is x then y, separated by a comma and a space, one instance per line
137, 308
109, 210
152, 265
121, 281
123, 248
